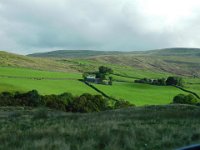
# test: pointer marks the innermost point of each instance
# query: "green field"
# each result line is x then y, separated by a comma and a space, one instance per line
20, 79
45, 86
46, 82
193, 84
194, 87
141, 94
22, 72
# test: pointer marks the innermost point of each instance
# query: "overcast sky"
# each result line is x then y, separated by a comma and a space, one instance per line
28, 26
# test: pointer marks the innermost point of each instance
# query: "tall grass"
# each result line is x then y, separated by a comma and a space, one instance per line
155, 127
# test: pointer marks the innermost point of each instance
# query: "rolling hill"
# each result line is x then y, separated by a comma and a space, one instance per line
194, 52
179, 61
74, 53
23, 73
15, 60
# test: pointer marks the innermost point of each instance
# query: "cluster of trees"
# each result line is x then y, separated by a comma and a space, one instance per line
177, 81
161, 81
102, 74
185, 99
65, 102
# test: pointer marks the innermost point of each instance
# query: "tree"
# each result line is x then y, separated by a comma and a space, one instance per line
101, 76
174, 81
105, 70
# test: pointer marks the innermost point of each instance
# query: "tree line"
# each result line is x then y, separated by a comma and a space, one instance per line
65, 101
172, 80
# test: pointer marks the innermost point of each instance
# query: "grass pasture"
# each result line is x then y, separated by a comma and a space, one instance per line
22, 72
47, 82
45, 86
193, 84
140, 94
65, 82
152, 128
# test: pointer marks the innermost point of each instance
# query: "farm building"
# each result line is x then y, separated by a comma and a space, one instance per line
93, 79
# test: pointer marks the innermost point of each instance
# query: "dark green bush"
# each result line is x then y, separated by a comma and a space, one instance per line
31, 98
65, 102
53, 101
7, 99
89, 103
185, 99
122, 104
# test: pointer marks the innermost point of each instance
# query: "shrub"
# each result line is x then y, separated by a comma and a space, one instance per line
89, 103
67, 98
31, 98
7, 99
53, 101
184, 99
122, 104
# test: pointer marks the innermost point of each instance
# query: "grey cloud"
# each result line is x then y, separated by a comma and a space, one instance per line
34, 25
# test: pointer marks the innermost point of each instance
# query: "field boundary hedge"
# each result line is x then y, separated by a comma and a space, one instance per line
125, 76
99, 91
35, 78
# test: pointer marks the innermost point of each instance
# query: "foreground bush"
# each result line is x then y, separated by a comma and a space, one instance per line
31, 98
89, 103
65, 102
7, 99
123, 104
59, 102
185, 99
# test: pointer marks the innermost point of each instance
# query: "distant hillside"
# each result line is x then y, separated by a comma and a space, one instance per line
92, 53
171, 64
14, 60
176, 52
74, 53
180, 61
